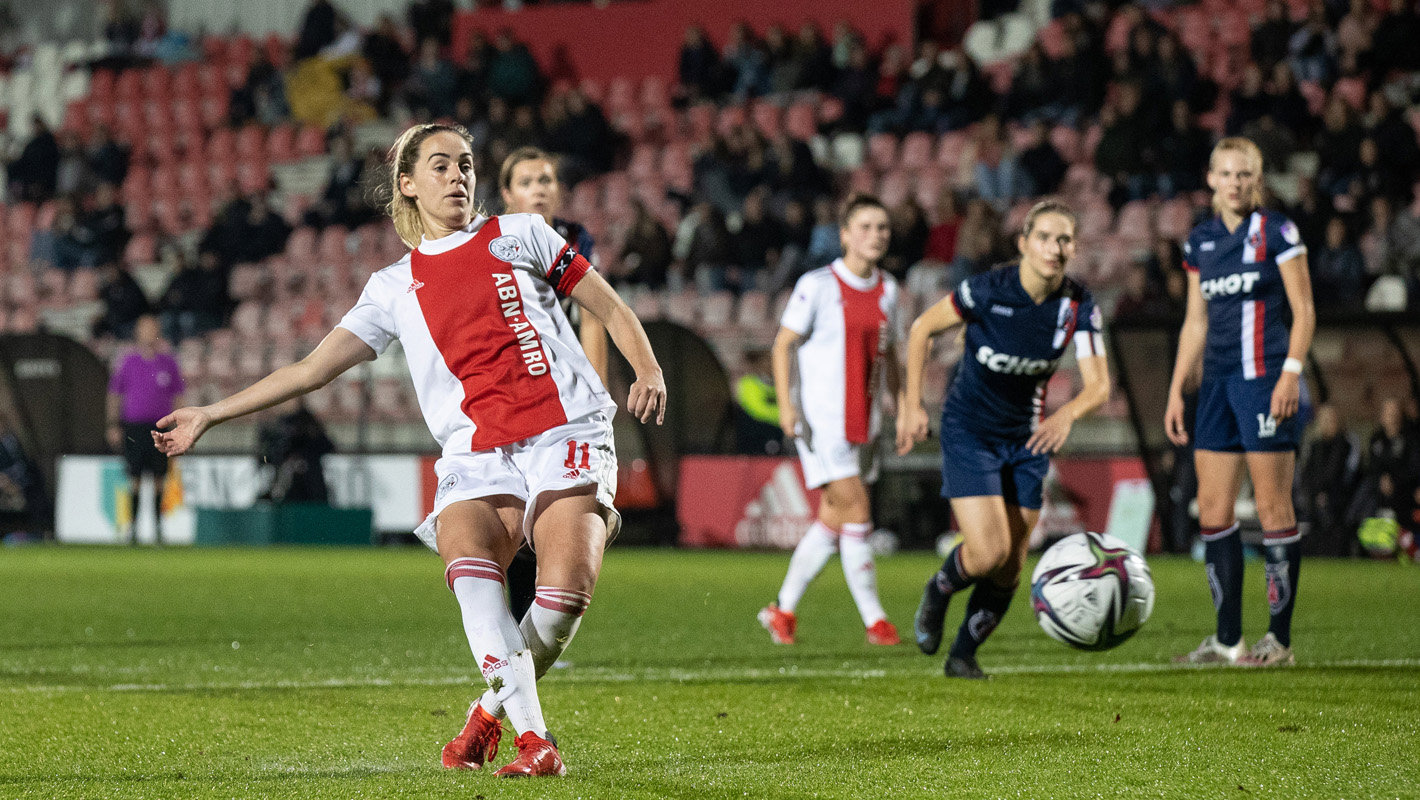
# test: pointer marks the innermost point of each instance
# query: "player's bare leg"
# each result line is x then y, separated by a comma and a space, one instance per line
991, 596
1219, 478
477, 539
1282, 553
986, 543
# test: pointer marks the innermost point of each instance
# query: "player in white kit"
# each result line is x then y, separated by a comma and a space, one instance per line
523, 420
842, 321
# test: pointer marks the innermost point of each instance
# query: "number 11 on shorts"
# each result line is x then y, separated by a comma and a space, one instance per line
571, 462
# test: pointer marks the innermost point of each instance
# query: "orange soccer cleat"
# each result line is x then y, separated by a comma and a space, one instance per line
477, 744
883, 632
779, 623
537, 757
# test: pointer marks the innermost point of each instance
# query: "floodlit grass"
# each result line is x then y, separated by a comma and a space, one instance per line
340, 673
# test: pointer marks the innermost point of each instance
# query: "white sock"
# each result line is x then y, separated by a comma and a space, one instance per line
858, 570
814, 550
503, 657
548, 627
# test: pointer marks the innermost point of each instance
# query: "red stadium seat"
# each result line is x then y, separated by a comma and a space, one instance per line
1352, 90
882, 151
950, 147
620, 97
141, 249
1066, 140
799, 121
752, 309
729, 118
916, 151
862, 180
643, 161
187, 83
894, 187
281, 144
250, 143
700, 121
1135, 224
1175, 218
157, 83
594, 90
310, 141
128, 86
768, 118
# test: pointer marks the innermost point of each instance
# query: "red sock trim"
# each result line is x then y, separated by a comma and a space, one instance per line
1284, 536
472, 568
1214, 534
568, 601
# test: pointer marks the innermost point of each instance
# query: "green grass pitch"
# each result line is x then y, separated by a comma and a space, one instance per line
296, 673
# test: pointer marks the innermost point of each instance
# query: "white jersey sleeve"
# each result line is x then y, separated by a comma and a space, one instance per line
803, 303
549, 256
371, 319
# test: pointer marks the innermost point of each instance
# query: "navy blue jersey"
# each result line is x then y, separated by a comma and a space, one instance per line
576, 235
1012, 348
1249, 318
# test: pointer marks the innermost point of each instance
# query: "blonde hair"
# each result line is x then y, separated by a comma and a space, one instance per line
1248, 150
1050, 205
401, 160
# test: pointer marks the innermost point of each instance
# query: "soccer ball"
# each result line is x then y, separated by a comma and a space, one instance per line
1091, 591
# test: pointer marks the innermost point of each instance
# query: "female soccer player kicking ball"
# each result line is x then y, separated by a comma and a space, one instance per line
842, 321
1249, 322
996, 449
524, 423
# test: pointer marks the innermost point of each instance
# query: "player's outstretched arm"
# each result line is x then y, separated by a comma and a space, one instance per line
1050, 435
1187, 366
647, 399
911, 415
339, 351
1296, 280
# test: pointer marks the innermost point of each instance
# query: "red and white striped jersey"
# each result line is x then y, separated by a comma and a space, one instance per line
848, 322
492, 356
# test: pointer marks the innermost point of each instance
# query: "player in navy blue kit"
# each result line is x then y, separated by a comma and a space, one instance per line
1249, 322
1020, 319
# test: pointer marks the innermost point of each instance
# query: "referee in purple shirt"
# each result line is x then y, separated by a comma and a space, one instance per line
145, 387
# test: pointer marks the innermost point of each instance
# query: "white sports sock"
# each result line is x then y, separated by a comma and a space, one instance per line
859, 571
548, 627
503, 657
814, 550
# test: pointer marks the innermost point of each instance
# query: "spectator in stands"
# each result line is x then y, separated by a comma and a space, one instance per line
1270, 37
942, 237
317, 29
432, 19
854, 87
978, 242
1032, 93
108, 159
746, 63
262, 98
1339, 271
990, 164
760, 238
586, 141
787, 65
263, 233
1338, 147
908, 241
432, 83
33, 175
1394, 46
646, 255
698, 69
1074, 70
1141, 298
1181, 153
793, 260
1042, 168
791, 169
1287, 106
1276, 142
1397, 148
823, 237
106, 231
1392, 470
293, 444
1248, 102
123, 302
389, 59
816, 56
1311, 210
1328, 480
195, 300
65, 244
512, 72
1123, 144
1354, 36
71, 173
1172, 75
342, 201
1375, 240
1376, 176
711, 257
1312, 49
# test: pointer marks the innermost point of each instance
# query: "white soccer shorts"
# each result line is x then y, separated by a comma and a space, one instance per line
581, 452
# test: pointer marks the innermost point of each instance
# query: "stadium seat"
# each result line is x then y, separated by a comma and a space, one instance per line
280, 144
1175, 218
1066, 141
729, 118
799, 121
916, 153
1351, 89
128, 85
310, 141
950, 147
1135, 223
882, 151
717, 312
250, 142
848, 150
862, 180
768, 118
141, 249
894, 187
700, 121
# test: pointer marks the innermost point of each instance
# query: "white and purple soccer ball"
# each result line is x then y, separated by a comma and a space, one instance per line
1091, 591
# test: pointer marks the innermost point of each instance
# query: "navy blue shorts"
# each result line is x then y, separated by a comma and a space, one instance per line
1234, 416
977, 466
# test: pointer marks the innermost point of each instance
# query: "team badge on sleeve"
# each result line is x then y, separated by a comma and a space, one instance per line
1096, 319
506, 248
1290, 234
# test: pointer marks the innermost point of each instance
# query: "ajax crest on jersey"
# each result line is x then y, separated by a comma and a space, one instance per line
506, 248
1091, 591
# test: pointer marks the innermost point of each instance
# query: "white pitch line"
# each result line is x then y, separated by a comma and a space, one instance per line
663, 675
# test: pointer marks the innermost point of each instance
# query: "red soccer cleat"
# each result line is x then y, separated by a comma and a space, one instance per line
537, 757
478, 743
883, 632
779, 623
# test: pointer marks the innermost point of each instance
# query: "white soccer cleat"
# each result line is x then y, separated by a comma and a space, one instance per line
1268, 652
1211, 652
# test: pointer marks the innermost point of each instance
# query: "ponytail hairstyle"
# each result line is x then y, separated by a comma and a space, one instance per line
1249, 151
401, 160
